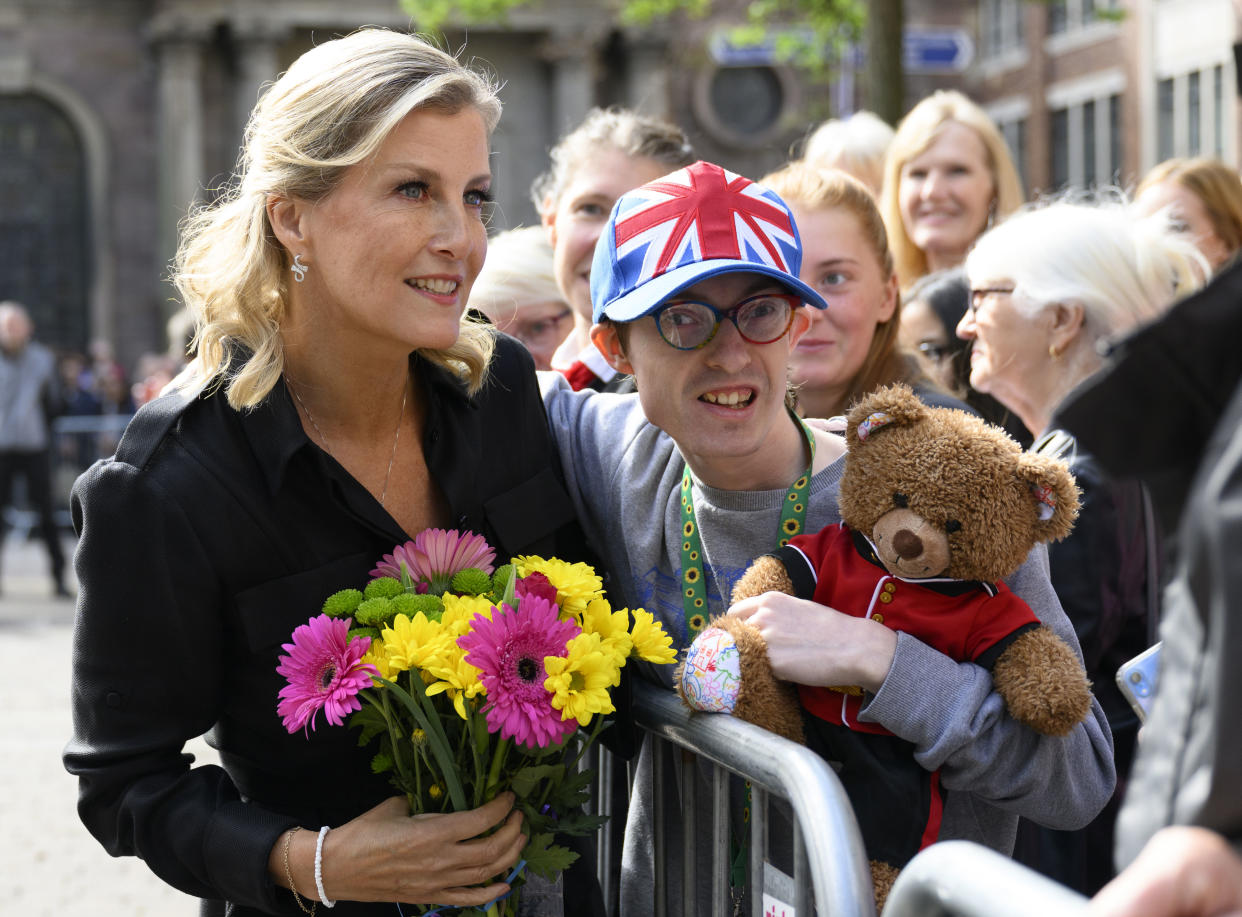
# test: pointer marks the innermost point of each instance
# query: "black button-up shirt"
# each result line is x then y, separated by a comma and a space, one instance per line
204, 542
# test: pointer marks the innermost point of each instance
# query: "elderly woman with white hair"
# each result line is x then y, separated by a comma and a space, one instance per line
1049, 286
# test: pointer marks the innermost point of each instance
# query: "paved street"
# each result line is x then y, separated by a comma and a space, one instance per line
51, 865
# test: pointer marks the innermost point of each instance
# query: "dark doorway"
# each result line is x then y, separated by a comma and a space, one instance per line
44, 211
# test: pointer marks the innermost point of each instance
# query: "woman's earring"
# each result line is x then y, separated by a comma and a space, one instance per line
298, 268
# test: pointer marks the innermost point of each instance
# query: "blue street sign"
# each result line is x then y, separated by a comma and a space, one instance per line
932, 50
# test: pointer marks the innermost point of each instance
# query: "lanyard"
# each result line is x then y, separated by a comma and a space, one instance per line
693, 578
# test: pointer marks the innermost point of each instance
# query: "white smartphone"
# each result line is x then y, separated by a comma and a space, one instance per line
1137, 680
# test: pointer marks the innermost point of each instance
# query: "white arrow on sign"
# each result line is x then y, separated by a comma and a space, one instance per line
932, 50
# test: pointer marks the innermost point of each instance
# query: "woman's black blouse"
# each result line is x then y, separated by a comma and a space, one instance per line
203, 543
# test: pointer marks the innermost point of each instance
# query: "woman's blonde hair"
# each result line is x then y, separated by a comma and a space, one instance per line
331, 110
1214, 183
916, 132
801, 184
855, 145
635, 135
518, 273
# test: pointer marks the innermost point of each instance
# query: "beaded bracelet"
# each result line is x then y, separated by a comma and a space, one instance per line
323, 832
289, 873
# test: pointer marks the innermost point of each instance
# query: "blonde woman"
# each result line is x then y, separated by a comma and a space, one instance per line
1049, 287
1203, 199
337, 403
851, 348
947, 178
517, 291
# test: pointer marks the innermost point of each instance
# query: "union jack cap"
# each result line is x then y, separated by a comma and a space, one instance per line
690, 225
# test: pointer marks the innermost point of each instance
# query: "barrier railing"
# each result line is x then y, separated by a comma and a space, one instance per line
830, 867
963, 879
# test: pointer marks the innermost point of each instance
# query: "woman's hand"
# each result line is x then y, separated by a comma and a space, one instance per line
812, 644
1181, 872
386, 854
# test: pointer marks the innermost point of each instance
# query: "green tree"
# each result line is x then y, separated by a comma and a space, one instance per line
813, 34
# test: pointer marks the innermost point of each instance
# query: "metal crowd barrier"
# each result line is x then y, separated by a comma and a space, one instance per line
964, 879
830, 866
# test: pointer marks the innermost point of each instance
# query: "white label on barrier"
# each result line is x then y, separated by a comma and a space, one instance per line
775, 907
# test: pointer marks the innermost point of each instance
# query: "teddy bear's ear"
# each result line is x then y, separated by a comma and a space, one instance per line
1054, 495
893, 405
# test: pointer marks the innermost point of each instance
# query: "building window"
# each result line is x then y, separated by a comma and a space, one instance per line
1194, 122
1218, 111
1001, 28
1164, 119
1060, 148
1013, 129
1088, 143
1072, 15
1114, 139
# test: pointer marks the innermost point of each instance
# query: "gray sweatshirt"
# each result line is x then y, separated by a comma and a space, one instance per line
625, 474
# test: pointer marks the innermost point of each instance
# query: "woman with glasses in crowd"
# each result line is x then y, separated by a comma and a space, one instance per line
1049, 287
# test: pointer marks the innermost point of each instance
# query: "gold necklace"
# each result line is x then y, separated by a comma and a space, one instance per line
396, 437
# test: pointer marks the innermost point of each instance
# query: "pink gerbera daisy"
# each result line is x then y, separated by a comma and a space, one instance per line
435, 556
325, 672
509, 650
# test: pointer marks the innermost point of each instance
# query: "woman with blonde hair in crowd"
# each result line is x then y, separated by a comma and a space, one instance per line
948, 177
517, 291
1203, 199
1050, 286
612, 151
856, 145
851, 347
338, 402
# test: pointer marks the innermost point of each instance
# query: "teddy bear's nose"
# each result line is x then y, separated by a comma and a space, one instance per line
907, 544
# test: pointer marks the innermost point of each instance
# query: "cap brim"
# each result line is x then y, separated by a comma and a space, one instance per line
649, 296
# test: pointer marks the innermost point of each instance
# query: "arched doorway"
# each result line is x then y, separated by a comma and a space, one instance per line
44, 204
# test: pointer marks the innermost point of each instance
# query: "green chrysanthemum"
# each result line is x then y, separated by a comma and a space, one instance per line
409, 605
375, 612
472, 582
385, 587
500, 581
372, 632
342, 604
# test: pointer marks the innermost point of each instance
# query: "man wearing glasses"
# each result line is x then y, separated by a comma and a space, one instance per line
696, 294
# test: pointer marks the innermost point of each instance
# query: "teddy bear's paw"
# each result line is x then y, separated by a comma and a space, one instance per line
711, 677
766, 574
1043, 683
883, 875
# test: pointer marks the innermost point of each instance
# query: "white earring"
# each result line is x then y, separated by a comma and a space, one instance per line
298, 268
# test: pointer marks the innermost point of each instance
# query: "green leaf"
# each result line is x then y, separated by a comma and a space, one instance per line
524, 781
370, 721
545, 858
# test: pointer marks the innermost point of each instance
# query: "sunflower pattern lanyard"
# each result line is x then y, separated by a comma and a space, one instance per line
693, 576
694, 598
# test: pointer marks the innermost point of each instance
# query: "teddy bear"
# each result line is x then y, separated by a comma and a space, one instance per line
937, 508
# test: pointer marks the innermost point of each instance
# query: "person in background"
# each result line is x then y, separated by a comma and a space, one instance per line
856, 145
1179, 834
852, 347
948, 177
340, 401
1203, 199
930, 311
610, 152
1048, 287
29, 397
517, 291
707, 330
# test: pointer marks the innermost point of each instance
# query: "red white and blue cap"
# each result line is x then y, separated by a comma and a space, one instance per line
695, 223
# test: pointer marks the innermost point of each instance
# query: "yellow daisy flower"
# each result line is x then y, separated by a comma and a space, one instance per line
459, 610
576, 584
377, 656
650, 641
411, 643
612, 627
579, 681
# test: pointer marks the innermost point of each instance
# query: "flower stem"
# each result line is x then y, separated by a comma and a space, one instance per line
498, 762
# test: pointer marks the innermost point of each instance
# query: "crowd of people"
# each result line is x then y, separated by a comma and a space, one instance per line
692, 355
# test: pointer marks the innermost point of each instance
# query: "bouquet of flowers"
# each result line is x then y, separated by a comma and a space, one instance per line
471, 680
